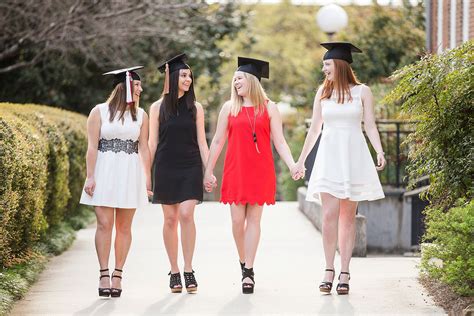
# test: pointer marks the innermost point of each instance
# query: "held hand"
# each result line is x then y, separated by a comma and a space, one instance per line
89, 187
381, 162
149, 191
298, 171
209, 182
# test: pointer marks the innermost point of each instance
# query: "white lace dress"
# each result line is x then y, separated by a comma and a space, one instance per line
119, 175
343, 166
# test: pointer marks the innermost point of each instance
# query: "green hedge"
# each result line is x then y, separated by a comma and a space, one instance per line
42, 170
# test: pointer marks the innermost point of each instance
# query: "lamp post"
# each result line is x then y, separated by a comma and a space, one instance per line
331, 19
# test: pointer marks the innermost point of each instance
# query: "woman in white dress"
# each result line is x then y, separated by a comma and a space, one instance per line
344, 172
116, 184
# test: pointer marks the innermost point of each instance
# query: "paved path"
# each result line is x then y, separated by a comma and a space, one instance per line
288, 268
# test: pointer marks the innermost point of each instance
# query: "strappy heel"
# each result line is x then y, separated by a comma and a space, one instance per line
115, 292
343, 288
247, 288
104, 291
175, 282
189, 280
242, 265
325, 286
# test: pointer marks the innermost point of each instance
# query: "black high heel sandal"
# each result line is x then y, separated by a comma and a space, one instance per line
242, 265
115, 292
104, 291
175, 282
189, 280
325, 286
343, 288
247, 288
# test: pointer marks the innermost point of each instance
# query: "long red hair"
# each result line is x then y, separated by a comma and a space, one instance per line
344, 76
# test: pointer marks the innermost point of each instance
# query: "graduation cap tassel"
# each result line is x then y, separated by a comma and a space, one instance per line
166, 86
128, 84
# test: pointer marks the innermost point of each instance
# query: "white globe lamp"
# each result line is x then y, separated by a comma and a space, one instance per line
331, 19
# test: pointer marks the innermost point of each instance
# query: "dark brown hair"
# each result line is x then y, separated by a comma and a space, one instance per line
169, 104
343, 77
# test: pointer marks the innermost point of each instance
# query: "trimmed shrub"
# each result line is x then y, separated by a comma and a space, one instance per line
42, 171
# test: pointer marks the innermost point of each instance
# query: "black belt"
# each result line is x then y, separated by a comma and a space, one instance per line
117, 145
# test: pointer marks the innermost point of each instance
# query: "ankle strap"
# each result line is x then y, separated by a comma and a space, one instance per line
344, 273
332, 270
118, 270
103, 270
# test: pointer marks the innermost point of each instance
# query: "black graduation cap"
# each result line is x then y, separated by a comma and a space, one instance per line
176, 63
120, 74
340, 50
170, 66
258, 68
125, 75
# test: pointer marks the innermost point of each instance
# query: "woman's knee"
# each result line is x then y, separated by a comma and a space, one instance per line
171, 220
186, 217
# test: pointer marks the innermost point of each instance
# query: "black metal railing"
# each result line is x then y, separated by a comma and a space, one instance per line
392, 134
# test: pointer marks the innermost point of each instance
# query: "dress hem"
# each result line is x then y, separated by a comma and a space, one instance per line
311, 197
237, 202
199, 201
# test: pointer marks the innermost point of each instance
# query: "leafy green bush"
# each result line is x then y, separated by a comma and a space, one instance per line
437, 92
42, 170
451, 256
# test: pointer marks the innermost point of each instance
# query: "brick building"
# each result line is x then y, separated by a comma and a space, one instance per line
449, 23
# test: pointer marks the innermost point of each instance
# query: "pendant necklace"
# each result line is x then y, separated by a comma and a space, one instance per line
253, 127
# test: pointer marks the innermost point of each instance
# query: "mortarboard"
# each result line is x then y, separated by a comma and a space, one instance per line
256, 67
340, 50
172, 65
126, 76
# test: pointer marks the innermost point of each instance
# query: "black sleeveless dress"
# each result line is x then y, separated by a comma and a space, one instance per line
178, 173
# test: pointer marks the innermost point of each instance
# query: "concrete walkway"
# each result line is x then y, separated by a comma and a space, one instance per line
288, 269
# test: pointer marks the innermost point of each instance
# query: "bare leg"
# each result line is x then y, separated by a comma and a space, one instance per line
346, 235
123, 240
330, 206
103, 237
237, 213
170, 234
252, 235
188, 232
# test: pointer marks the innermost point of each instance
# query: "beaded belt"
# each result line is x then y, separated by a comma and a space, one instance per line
116, 145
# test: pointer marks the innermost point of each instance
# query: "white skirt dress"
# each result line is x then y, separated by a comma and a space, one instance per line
344, 166
119, 175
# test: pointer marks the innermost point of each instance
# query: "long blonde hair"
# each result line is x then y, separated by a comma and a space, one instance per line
117, 103
344, 76
256, 93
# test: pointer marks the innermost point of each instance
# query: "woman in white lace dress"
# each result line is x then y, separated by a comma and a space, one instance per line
116, 184
344, 172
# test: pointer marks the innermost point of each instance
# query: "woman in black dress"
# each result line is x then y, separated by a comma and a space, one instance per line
178, 145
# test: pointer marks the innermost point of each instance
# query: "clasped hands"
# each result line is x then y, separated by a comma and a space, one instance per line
210, 182
297, 171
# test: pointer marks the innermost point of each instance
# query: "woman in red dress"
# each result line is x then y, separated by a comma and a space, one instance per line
249, 120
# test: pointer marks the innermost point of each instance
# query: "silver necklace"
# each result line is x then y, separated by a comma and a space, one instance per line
252, 127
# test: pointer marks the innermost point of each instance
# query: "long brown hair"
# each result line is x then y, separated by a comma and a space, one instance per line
344, 76
169, 103
118, 103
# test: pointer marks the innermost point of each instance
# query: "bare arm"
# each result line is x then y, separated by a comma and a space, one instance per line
278, 138
201, 134
154, 130
217, 144
93, 134
370, 126
144, 151
314, 130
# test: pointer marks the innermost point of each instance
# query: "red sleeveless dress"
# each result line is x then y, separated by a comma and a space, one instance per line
249, 176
